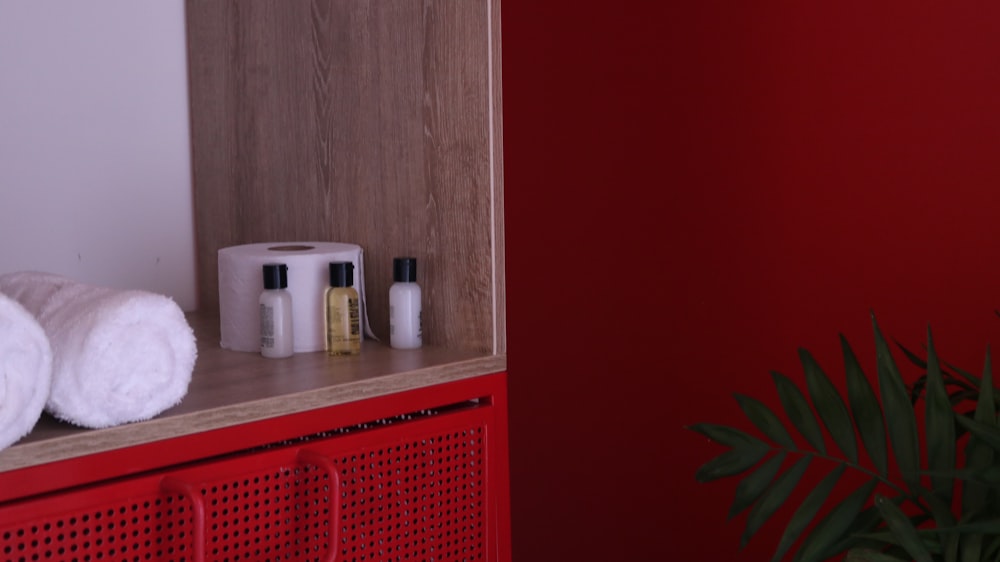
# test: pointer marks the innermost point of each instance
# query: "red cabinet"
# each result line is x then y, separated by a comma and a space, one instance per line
428, 482
375, 124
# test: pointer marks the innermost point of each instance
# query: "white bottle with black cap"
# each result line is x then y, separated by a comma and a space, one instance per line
405, 329
276, 337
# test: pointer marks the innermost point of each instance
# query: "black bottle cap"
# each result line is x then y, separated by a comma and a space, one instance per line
341, 274
404, 270
275, 276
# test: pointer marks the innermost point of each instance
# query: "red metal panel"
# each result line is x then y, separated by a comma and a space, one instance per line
130, 520
76, 471
498, 475
430, 487
413, 491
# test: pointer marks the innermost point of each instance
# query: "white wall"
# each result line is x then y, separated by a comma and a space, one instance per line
95, 175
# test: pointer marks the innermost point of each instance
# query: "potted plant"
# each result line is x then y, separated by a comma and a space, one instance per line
926, 456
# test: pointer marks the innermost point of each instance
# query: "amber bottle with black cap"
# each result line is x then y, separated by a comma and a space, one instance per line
343, 315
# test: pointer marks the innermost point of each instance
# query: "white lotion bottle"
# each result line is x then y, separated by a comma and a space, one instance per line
276, 337
405, 329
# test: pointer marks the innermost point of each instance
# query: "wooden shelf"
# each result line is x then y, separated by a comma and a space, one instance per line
229, 388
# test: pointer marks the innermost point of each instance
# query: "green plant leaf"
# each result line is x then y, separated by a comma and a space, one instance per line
859, 534
870, 555
978, 452
992, 549
766, 420
730, 463
988, 434
728, 436
830, 406
943, 518
989, 527
986, 410
903, 530
798, 411
939, 426
806, 511
976, 524
959, 396
745, 451
913, 357
751, 487
971, 547
832, 528
890, 542
952, 380
866, 410
988, 476
773, 498
973, 379
899, 415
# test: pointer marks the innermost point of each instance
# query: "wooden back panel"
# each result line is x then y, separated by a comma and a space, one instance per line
369, 122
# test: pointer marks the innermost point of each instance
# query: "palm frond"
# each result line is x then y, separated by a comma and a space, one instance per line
917, 522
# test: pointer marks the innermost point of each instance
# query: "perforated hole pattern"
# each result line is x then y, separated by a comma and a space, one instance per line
151, 528
418, 499
421, 501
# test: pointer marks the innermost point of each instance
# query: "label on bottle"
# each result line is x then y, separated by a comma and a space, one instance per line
355, 314
405, 316
266, 326
343, 323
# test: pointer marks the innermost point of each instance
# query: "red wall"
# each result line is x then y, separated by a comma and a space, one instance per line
693, 191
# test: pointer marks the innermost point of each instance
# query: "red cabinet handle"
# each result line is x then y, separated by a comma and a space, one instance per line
174, 485
306, 456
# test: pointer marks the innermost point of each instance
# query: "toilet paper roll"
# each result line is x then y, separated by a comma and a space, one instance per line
241, 282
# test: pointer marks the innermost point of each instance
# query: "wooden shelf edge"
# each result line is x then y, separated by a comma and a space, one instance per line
76, 442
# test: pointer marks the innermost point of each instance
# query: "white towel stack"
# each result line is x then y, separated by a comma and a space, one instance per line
25, 371
119, 356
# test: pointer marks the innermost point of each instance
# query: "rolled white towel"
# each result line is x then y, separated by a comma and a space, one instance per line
119, 356
25, 371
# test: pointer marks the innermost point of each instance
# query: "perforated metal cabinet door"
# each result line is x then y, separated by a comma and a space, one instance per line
128, 520
413, 490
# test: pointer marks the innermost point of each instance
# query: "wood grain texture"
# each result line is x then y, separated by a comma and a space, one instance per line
229, 388
499, 248
356, 121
